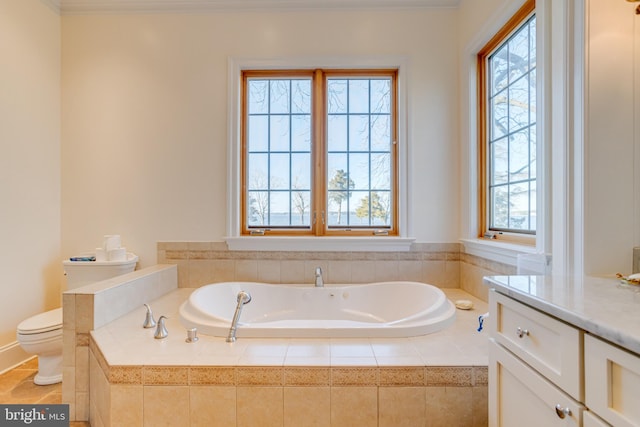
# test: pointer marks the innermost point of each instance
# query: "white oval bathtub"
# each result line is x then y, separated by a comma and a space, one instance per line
388, 309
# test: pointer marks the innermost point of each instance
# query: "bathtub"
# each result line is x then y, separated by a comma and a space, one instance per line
386, 309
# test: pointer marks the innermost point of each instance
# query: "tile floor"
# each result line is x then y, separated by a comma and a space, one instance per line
16, 386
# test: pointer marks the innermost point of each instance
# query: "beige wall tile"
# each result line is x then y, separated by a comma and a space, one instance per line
269, 271
199, 246
363, 272
402, 376
434, 273
306, 376
214, 375
212, 406
410, 270
292, 271
69, 311
84, 313
183, 273
386, 271
68, 384
452, 273
127, 405
402, 406
307, 406
339, 272
100, 398
126, 375
354, 376
166, 406
68, 347
259, 406
480, 375
82, 369
224, 270
200, 272
176, 246
460, 376
82, 406
259, 375
480, 406
449, 406
166, 375
354, 406
246, 270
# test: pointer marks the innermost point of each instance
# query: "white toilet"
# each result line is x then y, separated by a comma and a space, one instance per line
42, 334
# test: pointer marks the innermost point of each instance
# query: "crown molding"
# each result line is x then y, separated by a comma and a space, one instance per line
72, 7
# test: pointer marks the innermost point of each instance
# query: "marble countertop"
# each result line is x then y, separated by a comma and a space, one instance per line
601, 306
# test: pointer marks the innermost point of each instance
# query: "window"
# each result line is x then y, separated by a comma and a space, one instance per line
319, 152
507, 96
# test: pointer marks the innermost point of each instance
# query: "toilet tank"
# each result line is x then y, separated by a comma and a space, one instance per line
81, 273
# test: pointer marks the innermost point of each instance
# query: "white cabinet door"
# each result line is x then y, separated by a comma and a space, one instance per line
612, 382
519, 396
591, 420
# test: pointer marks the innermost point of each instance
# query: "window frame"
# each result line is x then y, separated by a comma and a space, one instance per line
521, 17
319, 77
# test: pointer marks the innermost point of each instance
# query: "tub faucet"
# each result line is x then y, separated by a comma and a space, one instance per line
243, 298
319, 281
161, 330
149, 321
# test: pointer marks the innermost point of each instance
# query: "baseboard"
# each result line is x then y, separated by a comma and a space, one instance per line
12, 355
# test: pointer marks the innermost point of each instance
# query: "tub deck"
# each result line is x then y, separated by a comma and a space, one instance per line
125, 342
136, 379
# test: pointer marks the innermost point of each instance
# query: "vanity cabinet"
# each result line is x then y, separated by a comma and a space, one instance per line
612, 382
535, 367
519, 396
592, 420
545, 372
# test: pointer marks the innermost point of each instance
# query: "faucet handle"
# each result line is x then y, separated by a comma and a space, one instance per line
161, 330
149, 321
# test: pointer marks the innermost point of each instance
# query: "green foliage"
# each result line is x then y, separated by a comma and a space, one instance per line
375, 206
343, 184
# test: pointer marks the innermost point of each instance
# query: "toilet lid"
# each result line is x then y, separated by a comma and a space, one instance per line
43, 322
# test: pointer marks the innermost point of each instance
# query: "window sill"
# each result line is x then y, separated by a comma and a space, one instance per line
506, 253
320, 244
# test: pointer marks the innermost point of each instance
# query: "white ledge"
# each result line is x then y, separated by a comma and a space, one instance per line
320, 244
506, 253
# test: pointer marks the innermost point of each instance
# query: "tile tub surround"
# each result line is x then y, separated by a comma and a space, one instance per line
95, 305
201, 263
444, 265
438, 379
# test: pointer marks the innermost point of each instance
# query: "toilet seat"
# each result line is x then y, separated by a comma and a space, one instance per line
40, 323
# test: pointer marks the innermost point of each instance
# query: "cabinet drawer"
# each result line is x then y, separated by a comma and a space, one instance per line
550, 346
612, 384
519, 396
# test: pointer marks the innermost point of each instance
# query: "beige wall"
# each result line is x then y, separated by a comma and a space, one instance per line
145, 115
612, 218
29, 165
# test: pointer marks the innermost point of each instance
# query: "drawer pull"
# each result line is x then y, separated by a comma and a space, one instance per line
521, 332
562, 412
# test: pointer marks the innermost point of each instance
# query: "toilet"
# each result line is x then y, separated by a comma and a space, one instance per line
42, 334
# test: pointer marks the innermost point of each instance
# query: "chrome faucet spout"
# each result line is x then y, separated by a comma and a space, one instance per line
243, 298
319, 280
